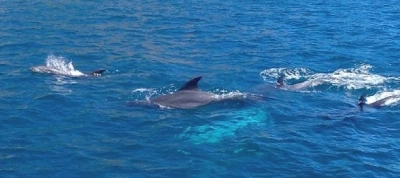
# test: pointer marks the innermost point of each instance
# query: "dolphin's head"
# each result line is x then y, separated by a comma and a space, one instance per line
97, 73
361, 101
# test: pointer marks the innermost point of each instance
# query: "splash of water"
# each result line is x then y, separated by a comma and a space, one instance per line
58, 65
351, 78
230, 95
143, 93
356, 78
296, 73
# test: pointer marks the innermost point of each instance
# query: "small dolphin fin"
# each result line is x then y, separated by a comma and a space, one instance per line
97, 72
279, 82
191, 84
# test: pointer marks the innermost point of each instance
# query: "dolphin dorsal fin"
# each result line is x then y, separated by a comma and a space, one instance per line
191, 84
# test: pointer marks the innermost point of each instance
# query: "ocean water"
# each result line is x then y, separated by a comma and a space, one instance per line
66, 124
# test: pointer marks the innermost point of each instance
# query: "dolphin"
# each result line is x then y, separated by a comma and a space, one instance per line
72, 73
188, 96
362, 101
297, 86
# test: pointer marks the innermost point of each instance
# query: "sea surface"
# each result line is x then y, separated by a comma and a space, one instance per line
67, 125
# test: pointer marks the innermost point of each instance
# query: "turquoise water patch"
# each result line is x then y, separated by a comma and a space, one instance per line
217, 131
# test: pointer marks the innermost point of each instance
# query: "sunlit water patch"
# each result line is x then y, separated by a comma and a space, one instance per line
225, 125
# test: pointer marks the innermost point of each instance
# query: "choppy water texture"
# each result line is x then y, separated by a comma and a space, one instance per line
61, 125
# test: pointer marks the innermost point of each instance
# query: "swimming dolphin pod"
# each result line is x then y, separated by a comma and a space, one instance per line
189, 95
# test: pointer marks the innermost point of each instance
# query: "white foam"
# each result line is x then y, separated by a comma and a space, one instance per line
351, 78
356, 78
231, 95
142, 90
145, 93
295, 73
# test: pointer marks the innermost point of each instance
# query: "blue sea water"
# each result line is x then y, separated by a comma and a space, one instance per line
66, 126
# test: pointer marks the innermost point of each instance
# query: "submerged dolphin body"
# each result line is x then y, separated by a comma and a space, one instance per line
72, 73
188, 96
297, 86
362, 101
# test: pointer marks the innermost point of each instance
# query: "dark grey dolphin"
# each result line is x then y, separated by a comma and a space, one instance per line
72, 72
188, 96
362, 101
